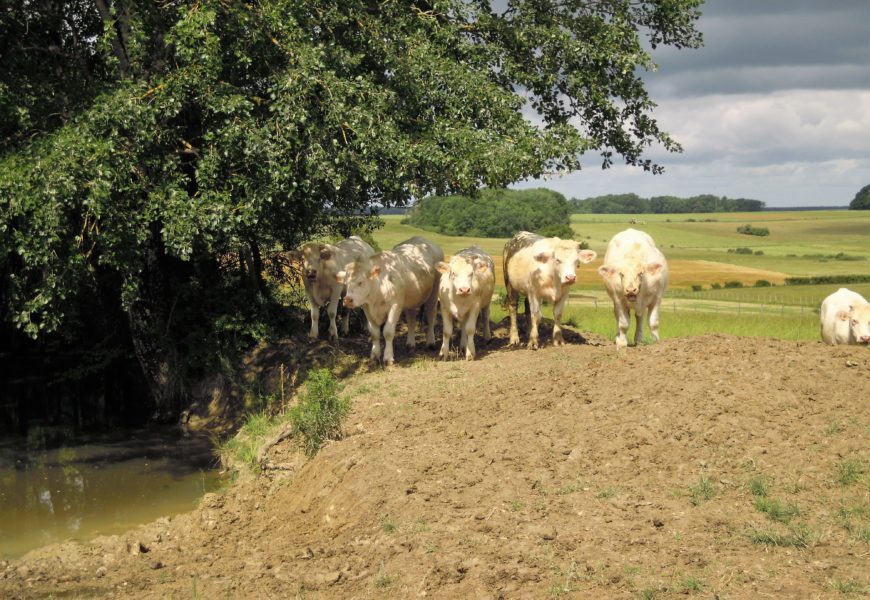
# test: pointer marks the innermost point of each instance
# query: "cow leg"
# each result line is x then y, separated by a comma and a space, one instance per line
558, 340
375, 333
535, 316
528, 313
639, 317
332, 311
487, 332
315, 319
468, 333
411, 320
390, 332
654, 319
513, 299
431, 310
447, 331
621, 311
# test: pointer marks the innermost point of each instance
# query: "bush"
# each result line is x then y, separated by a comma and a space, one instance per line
697, 288
759, 253
750, 230
762, 283
824, 279
715, 286
733, 284
558, 230
320, 413
741, 250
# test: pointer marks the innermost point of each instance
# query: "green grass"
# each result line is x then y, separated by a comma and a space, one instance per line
759, 486
776, 510
797, 536
849, 472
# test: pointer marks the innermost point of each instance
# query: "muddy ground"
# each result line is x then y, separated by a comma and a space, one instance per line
570, 472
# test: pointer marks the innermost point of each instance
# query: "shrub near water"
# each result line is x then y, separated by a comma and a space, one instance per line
320, 413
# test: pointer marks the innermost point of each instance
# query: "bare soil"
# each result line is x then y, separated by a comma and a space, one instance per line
574, 471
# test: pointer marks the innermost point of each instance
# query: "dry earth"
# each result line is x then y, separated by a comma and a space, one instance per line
570, 472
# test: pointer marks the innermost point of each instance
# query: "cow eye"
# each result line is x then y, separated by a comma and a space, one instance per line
558, 262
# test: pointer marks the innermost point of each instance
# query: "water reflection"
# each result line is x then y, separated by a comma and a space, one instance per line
98, 486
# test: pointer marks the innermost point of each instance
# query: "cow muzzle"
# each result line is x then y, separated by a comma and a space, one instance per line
311, 275
463, 291
569, 279
348, 302
864, 339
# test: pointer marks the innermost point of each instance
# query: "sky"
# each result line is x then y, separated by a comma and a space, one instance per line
775, 106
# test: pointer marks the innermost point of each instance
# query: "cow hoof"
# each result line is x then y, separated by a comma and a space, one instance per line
533, 346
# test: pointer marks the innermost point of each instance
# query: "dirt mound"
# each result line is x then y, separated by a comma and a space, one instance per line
735, 467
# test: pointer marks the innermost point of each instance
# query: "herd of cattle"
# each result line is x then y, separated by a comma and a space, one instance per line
414, 274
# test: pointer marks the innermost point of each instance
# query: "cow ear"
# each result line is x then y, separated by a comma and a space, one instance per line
606, 271
442, 267
543, 256
654, 268
325, 254
374, 272
341, 277
587, 256
294, 255
843, 315
482, 267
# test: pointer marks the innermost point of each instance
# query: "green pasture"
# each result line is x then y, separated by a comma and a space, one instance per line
680, 320
801, 243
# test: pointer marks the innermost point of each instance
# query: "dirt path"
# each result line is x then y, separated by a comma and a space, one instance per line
566, 472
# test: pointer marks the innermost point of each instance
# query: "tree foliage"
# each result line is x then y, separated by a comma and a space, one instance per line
634, 204
861, 201
154, 154
495, 213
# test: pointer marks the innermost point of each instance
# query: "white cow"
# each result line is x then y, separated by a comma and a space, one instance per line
541, 269
845, 318
635, 274
465, 291
320, 263
391, 282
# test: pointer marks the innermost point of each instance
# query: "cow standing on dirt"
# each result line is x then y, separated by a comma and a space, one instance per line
541, 269
465, 291
635, 275
391, 282
844, 318
320, 263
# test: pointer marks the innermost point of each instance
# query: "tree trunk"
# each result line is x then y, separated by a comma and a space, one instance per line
121, 33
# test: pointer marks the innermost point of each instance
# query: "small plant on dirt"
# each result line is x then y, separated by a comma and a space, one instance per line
383, 580
517, 505
848, 515
389, 525
649, 593
759, 486
849, 472
849, 587
702, 490
242, 450
835, 428
776, 510
608, 492
568, 489
691, 585
565, 583
797, 536
320, 413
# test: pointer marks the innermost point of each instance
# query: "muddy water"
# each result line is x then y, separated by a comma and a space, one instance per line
97, 486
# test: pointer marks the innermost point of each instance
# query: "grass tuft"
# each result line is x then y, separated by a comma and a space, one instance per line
701, 491
797, 536
320, 413
759, 486
849, 472
776, 510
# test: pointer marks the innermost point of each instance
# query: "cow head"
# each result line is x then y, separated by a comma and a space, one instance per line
628, 276
460, 273
858, 317
564, 256
316, 259
359, 277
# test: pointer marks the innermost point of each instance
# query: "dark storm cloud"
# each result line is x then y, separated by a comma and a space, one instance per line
764, 46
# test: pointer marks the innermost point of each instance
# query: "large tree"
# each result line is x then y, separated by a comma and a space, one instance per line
144, 143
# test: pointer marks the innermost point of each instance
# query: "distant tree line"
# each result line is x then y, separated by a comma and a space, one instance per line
634, 204
495, 213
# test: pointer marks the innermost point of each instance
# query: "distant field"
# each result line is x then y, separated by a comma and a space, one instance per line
800, 243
